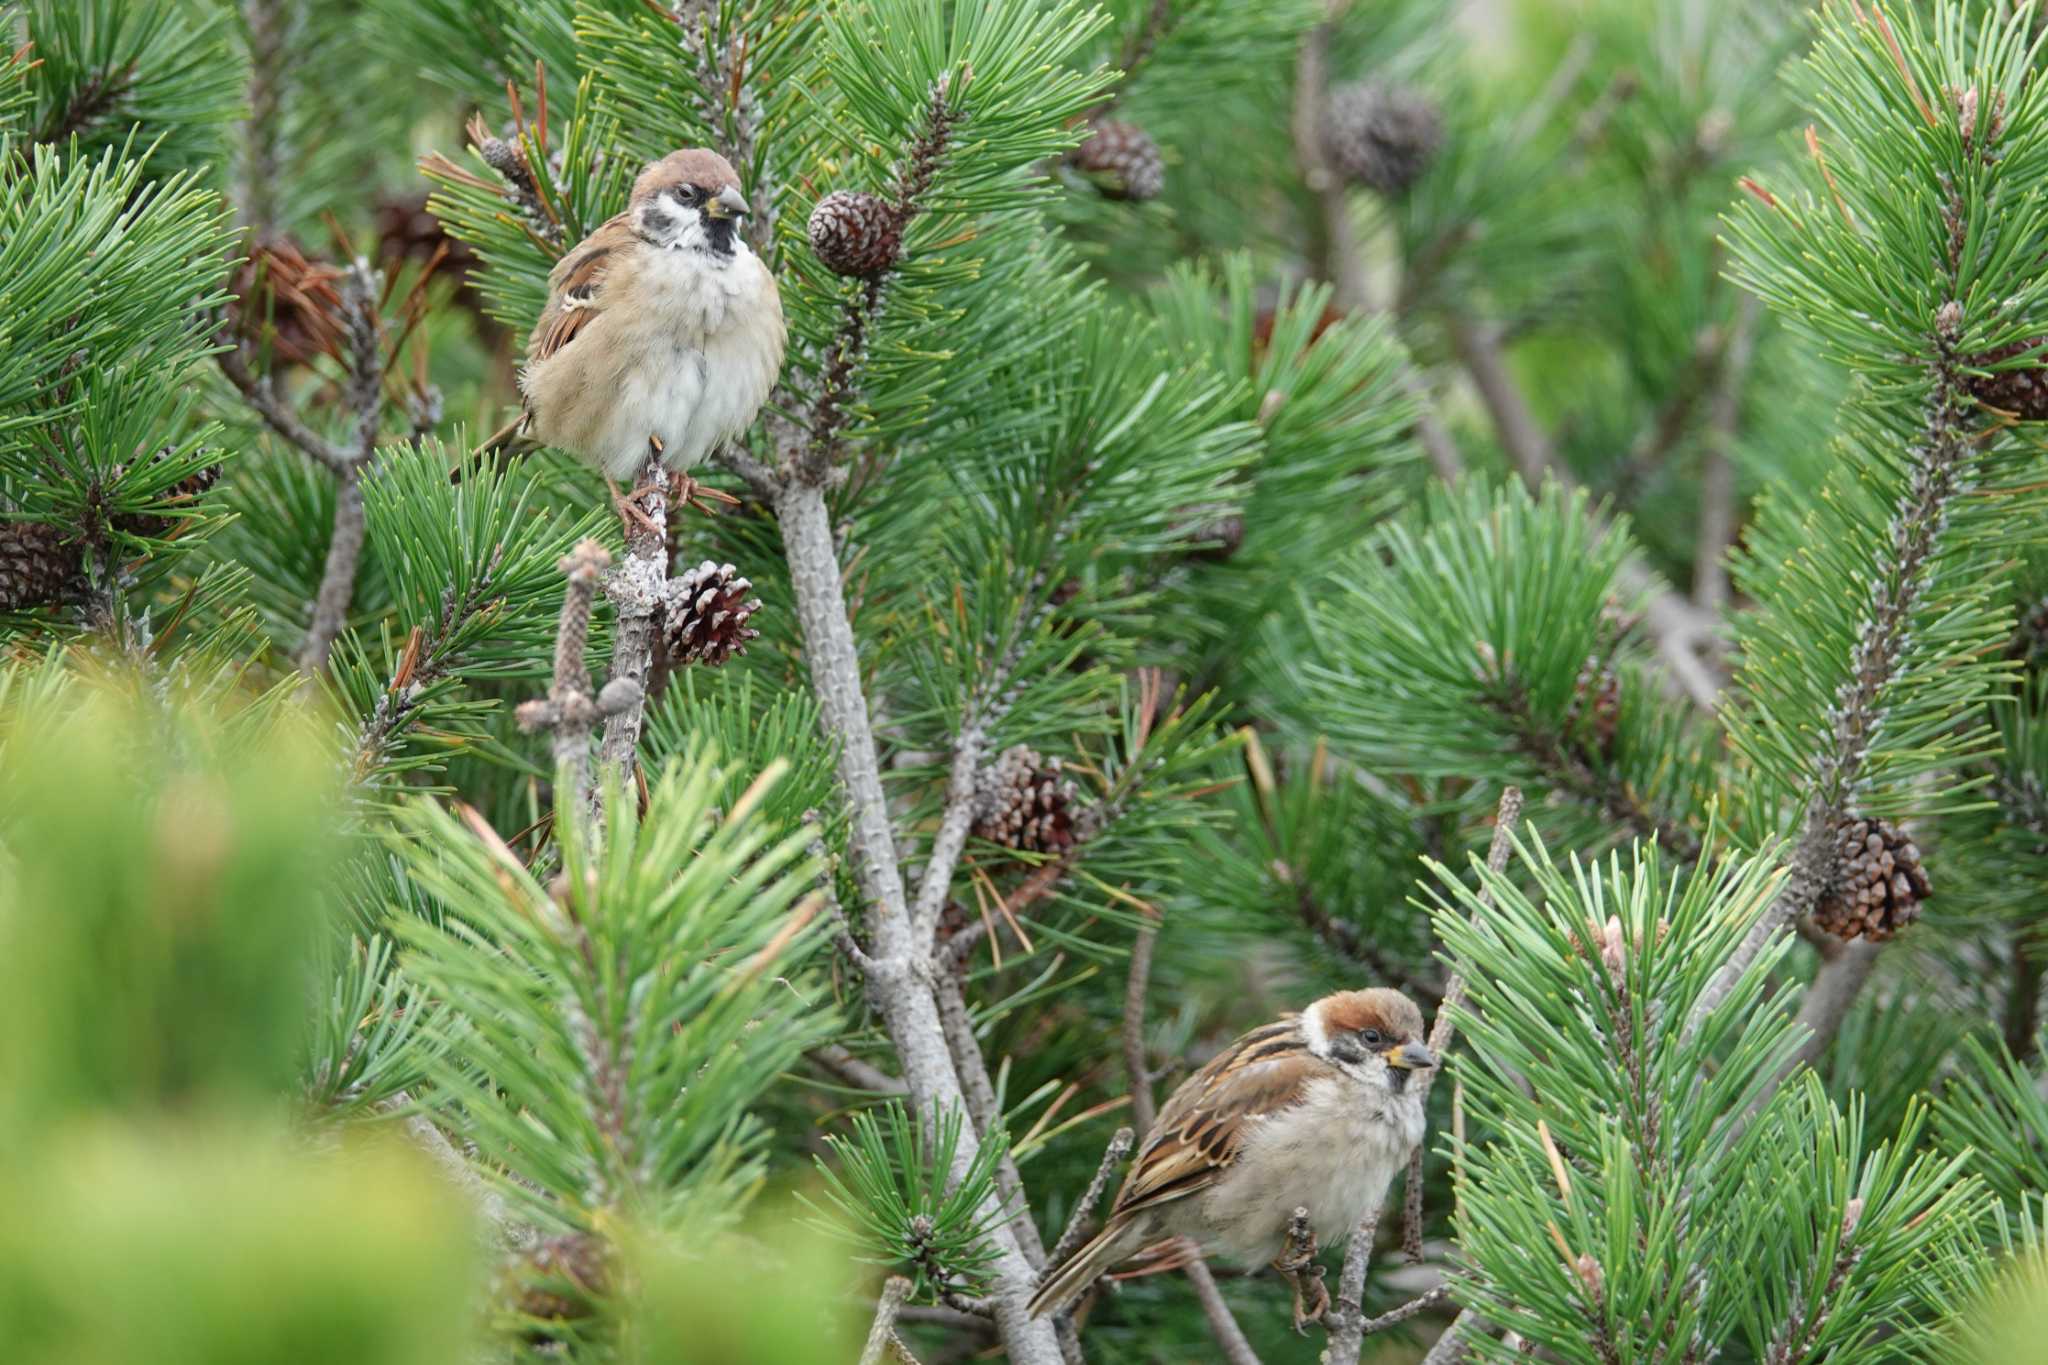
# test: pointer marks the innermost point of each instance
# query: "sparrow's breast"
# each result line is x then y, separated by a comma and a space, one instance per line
1335, 1153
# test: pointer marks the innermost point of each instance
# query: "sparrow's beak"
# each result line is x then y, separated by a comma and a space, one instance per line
729, 203
1411, 1057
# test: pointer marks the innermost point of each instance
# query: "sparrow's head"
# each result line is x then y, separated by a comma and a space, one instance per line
689, 200
1373, 1036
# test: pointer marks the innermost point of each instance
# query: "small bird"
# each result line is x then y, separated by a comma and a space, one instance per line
1313, 1111
663, 331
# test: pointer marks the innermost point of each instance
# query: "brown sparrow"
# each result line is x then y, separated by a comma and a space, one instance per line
1311, 1112
663, 330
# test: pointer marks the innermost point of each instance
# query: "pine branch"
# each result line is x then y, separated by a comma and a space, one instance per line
1229, 1336
267, 24
93, 100
363, 331
853, 1071
1601, 790
883, 1333
569, 712
640, 591
1143, 1111
848, 349
984, 1110
1939, 462
1077, 1224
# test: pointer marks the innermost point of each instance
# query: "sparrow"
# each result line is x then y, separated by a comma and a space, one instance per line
663, 330
1313, 1111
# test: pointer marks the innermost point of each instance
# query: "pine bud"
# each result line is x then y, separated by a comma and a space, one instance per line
855, 233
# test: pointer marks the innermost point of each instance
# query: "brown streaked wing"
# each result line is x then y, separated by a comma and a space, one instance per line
1201, 1128
575, 291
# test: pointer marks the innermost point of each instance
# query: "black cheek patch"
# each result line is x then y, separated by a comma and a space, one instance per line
654, 220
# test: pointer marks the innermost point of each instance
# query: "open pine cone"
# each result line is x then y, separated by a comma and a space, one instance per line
37, 563
708, 611
1024, 803
1878, 885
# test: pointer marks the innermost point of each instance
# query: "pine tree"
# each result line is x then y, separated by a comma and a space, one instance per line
1228, 457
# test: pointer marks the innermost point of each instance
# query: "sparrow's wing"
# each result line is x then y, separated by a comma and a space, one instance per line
576, 292
1200, 1130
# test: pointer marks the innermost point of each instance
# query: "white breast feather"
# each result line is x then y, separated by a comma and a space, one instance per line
699, 378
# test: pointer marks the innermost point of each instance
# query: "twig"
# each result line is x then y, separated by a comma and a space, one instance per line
1349, 1334
983, 1108
569, 711
1717, 483
852, 1070
1450, 1347
884, 1329
268, 24
958, 818
363, 330
1143, 1111
1229, 1336
264, 400
1828, 999
1077, 1223
640, 588
1336, 253
425, 1134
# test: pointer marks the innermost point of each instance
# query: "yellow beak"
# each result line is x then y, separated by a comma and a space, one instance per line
728, 203
1411, 1057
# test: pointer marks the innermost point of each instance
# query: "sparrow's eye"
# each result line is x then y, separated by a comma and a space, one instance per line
1370, 1037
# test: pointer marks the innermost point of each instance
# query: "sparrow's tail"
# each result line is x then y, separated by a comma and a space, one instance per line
1079, 1272
508, 440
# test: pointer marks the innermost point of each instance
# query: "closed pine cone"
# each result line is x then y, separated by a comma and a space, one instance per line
1024, 803
1382, 134
37, 564
1878, 884
1123, 159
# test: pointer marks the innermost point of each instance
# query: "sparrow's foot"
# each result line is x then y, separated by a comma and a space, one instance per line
628, 508
1311, 1297
690, 493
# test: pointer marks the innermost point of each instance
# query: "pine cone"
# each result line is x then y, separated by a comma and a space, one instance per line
1596, 701
562, 1276
1024, 803
2023, 391
1218, 540
1123, 160
1878, 883
1381, 134
184, 492
37, 564
856, 233
708, 611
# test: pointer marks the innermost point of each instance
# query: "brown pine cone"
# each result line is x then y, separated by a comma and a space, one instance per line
1122, 160
708, 611
1024, 803
37, 564
183, 493
2022, 391
1878, 884
1381, 134
856, 233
